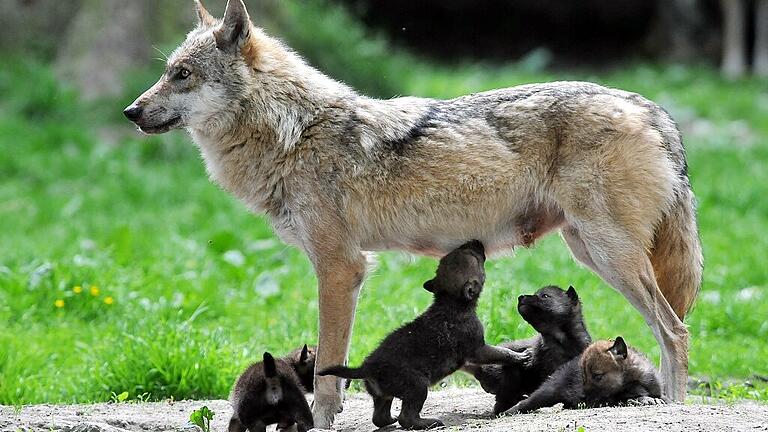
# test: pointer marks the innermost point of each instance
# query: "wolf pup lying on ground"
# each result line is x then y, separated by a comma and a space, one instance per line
606, 373
340, 174
556, 315
266, 393
432, 346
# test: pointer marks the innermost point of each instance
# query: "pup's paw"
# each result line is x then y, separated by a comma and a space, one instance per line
646, 400
524, 358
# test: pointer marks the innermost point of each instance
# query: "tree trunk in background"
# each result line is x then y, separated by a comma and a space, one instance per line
34, 27
106, 39
734, 60
682, 31
761, 38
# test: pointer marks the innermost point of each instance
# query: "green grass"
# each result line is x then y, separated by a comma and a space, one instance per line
200, 287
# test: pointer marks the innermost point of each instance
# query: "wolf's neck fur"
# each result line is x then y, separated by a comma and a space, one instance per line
256, 149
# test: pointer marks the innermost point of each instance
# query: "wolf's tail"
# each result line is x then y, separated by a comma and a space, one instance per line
344, 372
676, 254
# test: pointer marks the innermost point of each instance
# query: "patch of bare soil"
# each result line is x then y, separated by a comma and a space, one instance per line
460, 409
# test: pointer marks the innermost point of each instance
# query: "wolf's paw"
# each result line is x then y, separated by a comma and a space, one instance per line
324, 410
421, 423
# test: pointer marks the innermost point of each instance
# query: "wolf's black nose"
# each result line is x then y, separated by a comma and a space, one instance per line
133, 112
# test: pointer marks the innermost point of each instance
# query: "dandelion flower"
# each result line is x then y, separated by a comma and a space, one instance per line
94, 291
59, 303
108, 300
77, 290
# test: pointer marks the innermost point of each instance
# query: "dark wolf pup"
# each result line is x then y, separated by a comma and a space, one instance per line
266, 393
556, 315
607, 373
432, 346
340, 175
303, 362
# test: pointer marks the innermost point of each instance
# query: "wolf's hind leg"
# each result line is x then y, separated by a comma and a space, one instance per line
410, 415
235, 425
382, 405
623, 263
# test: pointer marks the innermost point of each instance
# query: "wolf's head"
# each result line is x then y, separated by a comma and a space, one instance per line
460, 274
603, 368
218, 74
303, 362
550, 308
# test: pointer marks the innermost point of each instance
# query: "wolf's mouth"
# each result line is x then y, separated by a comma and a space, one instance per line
161, 128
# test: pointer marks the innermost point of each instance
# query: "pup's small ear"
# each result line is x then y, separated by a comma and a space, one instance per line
430, 285
204, 18
235, 27
470, 291
304, 354
572, 294
619, 348
270, 369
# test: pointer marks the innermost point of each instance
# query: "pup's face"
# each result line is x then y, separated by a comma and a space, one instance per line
549, 308
602, 367
203, 79
461, 273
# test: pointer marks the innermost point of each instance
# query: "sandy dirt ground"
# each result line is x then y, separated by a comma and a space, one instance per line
460, 409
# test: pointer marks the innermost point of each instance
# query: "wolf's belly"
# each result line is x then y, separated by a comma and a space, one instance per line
442, 236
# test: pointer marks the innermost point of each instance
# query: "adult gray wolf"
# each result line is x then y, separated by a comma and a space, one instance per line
339, 173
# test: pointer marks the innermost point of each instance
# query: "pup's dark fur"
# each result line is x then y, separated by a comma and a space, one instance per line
605, 374
303, 362
556, 315
434, 345
269, 392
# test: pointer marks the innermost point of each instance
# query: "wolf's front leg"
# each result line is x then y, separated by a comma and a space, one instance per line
339, 281
487, 354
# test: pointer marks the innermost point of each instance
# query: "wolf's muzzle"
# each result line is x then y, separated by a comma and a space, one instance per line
133, 112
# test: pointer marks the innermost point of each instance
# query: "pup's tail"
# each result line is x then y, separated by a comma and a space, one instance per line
676, 254
344, 372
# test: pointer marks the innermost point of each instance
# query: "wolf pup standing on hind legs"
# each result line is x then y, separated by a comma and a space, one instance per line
339, 173
432, 346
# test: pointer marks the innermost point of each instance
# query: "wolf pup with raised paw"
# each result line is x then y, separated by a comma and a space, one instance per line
434, 345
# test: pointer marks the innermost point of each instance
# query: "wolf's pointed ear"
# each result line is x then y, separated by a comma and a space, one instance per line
572, 294
619, 348
304, 354
270, 369
204, 18
430, 285
235, 27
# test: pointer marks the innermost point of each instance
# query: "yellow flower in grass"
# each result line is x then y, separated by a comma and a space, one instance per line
59, 303
108, 300
95, 291
77, 290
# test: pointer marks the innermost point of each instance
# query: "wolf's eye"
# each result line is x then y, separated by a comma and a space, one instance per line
182, 74
543, 295
597, 376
